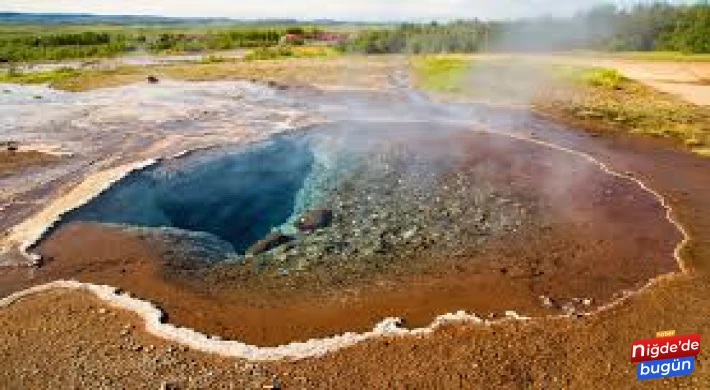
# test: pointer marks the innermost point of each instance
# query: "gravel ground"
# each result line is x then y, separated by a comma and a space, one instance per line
66, 339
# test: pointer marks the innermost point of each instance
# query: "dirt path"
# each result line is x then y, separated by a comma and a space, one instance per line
689, 80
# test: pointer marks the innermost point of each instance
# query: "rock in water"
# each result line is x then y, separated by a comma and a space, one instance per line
314, 219
153, 79
271, 241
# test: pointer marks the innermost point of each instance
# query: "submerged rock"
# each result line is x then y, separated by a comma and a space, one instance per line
271, 241
314, 219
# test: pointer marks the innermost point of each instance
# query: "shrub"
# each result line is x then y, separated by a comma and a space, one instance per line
269, 53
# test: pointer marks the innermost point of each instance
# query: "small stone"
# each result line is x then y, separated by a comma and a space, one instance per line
102, 311
568, 308
274, 385
314, 219
168, 386
547, 302
271, 241
409, 233
283, 272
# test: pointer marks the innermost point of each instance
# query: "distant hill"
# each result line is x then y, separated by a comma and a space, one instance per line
56, 18
17, 18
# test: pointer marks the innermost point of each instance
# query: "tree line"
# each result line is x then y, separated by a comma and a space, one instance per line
644, 27
60, 46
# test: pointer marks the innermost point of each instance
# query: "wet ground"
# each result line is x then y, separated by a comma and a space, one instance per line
503, 225
498, 224
139, 59
70, 339
103, 129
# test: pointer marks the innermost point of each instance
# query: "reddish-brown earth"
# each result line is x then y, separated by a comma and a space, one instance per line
51, 341
591, 353
604, 235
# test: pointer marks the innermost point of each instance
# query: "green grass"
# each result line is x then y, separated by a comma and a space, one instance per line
174, 28
593, 77
212, 59
69, 79
330, 70
269, 53
444, 73
671, 56
43, 43
604, 97
663, 56
281, 52
315, 51
45, 77
598, 98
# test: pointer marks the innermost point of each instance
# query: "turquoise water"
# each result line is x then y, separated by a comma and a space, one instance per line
240, 194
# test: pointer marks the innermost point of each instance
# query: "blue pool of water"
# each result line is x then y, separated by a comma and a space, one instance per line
239, 194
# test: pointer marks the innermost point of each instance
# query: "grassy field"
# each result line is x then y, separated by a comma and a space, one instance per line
15, 31
664, 56
594, 97
279, 52
175, 28
656, 55
441, 73
317, 67
29, 43
46, 77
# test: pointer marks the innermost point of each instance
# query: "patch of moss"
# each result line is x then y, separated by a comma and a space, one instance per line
593, 77
284, 52
595, 96
442, 73
43, 77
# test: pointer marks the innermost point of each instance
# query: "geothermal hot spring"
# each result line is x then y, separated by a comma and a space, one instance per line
332, 228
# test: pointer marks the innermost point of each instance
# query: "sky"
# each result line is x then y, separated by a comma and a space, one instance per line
368, 10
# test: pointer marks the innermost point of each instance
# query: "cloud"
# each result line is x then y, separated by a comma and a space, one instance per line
313, 9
